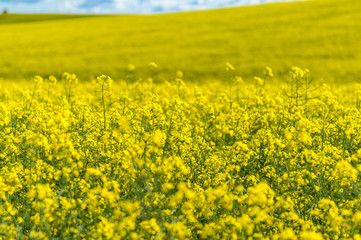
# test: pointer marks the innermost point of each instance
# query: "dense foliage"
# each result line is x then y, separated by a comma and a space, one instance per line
139, 160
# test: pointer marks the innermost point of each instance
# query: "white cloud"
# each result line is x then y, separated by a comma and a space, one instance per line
148, 6
121, 6
70, 5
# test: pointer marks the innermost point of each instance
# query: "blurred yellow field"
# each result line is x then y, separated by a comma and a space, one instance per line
321, 35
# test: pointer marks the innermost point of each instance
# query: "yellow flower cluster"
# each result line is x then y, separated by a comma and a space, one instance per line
138, 160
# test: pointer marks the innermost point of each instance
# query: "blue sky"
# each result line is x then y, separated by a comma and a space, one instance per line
119, 6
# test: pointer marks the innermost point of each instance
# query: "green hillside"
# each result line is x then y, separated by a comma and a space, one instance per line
27, 18
322, 35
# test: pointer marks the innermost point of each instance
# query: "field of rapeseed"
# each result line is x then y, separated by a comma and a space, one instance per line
136, 159
322, 35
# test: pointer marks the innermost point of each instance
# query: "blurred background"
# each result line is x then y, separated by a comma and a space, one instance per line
90, 38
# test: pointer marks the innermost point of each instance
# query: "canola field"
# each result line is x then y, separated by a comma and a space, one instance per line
321, 35
132, 159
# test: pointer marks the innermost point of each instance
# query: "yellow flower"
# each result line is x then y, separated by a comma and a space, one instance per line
152, 65
131, 68
179, 74
268, 72
229, 67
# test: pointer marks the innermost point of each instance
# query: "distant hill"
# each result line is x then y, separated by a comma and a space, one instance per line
28, 18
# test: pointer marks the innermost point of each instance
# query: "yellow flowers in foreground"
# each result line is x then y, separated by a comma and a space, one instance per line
138, 160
